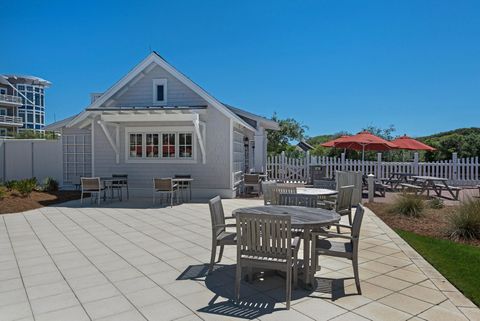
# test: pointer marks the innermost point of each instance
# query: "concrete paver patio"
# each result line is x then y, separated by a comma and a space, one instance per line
123, 261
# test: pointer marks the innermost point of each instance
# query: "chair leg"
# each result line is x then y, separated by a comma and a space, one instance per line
220, 254
153, 197
288, 294
212, 257
98, 198
128, 195
357, 276
295, 271
350, 220
81, 198
238, 279
338, 229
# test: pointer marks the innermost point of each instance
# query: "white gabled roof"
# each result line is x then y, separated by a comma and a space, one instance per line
155, 58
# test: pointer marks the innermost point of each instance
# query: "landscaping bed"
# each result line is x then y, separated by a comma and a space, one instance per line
432, 222
12, 202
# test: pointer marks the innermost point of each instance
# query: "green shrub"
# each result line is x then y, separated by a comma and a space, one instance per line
50, 185
436, 203
26, 186
408, 205
3, 192
465, 222
10, 184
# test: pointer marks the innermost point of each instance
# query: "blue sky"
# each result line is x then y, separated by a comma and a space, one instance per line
333, 65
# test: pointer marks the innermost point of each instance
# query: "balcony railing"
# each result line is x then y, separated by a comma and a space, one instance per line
11, 120
10, 99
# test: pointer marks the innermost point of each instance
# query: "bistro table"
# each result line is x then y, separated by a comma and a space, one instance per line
305, 218
437, 184
185, 180
108, 183
316, 191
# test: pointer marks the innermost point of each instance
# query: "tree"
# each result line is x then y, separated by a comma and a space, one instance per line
290, 129
385, 133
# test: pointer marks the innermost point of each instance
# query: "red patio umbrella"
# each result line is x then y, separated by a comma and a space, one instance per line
331, 143
363, 141
409, 143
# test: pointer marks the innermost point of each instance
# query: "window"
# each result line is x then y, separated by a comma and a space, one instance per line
3, 91
136, 145
168, 145
152, 145
185, 145
29, 117
37, 118
159, 91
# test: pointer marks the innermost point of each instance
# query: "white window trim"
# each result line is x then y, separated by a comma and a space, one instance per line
161, 130
157, 82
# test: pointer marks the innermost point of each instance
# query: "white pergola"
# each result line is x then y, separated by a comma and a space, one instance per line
113, 117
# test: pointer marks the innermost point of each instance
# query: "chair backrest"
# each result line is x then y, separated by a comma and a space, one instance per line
344, 199
217, 215
351, 178
282, 189
119, 175
162, 184
298, 200
357, 222
251, 178
182, 176
317, 172
324, 183
268, 192
90, 183
264, 236
122, 182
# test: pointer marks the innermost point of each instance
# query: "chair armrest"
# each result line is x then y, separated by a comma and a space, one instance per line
342, 225
225, 225
331, 235
230, 218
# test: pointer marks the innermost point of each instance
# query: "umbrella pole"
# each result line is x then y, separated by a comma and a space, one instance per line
363, 158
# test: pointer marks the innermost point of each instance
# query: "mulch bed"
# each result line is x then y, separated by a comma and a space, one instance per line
433, 222
14, 203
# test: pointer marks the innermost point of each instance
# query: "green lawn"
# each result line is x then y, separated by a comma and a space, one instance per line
459, 263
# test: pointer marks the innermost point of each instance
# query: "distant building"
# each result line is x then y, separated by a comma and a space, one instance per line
22, 104
303, 146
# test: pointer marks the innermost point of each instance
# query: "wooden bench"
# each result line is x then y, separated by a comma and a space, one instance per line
415, 188
454, 189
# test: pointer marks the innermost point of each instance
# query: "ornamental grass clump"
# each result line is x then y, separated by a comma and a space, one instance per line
436, 203
25, 186
464, 223
408, 205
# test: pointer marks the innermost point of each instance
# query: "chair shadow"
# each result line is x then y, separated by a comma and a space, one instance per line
257, 298
333, 287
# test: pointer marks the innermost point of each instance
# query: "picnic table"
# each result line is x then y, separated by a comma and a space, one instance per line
397, 178
437, 184
305, 218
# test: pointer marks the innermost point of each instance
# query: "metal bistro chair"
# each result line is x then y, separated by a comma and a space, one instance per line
92, 186
268, 192
343, 205
120, 184
165, 186
265, 242
220, 236
183, 186
322, 245
253, 181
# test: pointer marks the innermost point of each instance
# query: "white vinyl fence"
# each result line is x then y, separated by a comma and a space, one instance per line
461, 172
26, 158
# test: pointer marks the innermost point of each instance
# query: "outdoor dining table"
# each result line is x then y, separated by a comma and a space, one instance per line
109, 181
187, 180
305, 218
436, 184
316, 191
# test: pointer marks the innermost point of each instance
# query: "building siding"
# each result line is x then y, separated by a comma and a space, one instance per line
140, 94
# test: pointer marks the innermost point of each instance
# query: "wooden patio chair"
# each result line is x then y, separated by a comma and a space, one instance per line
325, 183
343, 205
92, 186
322, 245
252, 181
268, 189
165, 186
220, 236
282, 189
298, 200
265, 242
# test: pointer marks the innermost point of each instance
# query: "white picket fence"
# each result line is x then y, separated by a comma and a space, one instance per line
460, 172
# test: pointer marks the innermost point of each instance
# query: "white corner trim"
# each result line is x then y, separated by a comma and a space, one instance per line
200, 140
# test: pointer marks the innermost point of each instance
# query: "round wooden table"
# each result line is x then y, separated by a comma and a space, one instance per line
316, 191
306, 218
